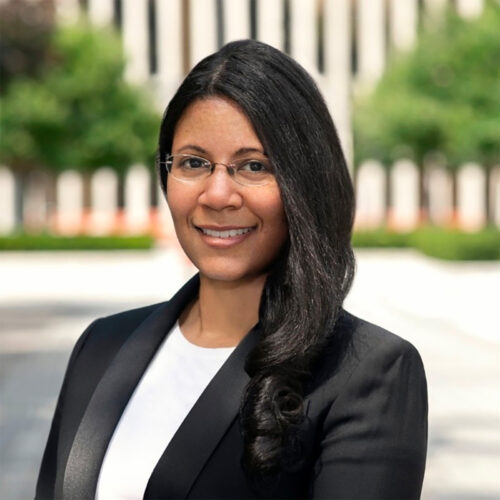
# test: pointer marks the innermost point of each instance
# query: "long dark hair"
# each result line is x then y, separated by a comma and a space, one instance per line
305, 289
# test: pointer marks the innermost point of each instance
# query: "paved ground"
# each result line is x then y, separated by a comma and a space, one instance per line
447, 310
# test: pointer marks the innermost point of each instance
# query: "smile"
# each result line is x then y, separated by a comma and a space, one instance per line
229, 233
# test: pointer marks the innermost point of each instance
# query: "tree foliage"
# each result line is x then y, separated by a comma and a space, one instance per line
442, 98
79, 113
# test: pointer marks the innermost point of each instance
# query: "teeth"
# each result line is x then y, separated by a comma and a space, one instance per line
231, 233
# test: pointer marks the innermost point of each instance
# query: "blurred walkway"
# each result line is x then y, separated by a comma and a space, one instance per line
448, 311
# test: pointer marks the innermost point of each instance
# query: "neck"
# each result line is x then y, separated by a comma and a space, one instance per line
224, 312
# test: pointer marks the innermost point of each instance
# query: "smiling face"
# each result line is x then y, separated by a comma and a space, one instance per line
229, 231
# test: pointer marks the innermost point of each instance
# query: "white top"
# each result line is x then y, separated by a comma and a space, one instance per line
174, 380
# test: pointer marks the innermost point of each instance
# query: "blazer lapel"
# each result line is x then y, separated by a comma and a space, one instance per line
203, 428
112, 394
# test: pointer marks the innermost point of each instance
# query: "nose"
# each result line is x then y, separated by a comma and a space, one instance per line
220, 191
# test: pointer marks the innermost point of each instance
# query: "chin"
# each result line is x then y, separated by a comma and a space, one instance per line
229, 272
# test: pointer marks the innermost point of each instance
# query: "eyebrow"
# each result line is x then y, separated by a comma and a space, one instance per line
240, 151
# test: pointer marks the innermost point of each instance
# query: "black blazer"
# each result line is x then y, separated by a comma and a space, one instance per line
365, 433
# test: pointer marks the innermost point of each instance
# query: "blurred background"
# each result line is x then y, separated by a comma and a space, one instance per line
414, 89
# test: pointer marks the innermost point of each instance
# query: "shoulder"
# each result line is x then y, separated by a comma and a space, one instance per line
124, 322
367, 353
367, 340
95, 350
363, 340
100, 341
365, 337
369, 406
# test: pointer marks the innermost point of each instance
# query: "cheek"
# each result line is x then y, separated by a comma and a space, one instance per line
179, 201
273, 216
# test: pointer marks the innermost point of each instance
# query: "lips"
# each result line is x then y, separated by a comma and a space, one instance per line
230, 233
225, 232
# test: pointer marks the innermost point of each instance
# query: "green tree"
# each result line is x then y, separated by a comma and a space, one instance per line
442, 98
79, 113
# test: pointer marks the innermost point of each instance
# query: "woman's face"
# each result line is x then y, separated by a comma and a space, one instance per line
217, 129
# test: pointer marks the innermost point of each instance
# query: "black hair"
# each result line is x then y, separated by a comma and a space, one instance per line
306, 287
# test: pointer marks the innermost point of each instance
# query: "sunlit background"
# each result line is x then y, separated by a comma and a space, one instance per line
414, 89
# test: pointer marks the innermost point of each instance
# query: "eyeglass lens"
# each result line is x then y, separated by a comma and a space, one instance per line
246, 171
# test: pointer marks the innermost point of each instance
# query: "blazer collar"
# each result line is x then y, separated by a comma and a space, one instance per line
203, 427
216, 408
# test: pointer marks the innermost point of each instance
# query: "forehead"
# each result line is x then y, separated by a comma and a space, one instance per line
215, 123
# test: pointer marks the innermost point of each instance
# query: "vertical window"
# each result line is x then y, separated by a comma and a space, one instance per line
253, 19
185, 35
287, 21
387, 28
354, 38
117, 14
320, 31
420, 15
219, 13
152, 39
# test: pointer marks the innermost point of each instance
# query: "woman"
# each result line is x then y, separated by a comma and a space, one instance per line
252, 381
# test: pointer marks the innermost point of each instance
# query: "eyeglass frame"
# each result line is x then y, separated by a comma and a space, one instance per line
230, 167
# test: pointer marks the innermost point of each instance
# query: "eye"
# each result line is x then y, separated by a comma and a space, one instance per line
253, 166
193, 162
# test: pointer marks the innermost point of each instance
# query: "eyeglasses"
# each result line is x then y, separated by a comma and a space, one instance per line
247, 171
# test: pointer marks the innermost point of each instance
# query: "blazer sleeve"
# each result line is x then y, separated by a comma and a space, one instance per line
46, 478
374, 439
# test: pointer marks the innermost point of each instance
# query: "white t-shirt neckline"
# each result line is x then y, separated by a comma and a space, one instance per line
195, 349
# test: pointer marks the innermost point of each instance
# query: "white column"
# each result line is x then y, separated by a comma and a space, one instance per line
471, 181
435, 6
371, 40
236, 20
495, 195
137, 199
303, 33
404, 195
403, 23
35, 201
270, 23
337, 45
135, 39
170, 47
470, 8
101, 12
67, 11
7, 200
69, 193
439, 186
104, 200
203, 30
370, 196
